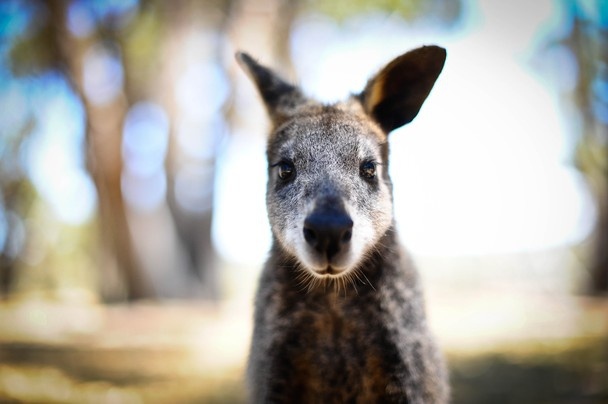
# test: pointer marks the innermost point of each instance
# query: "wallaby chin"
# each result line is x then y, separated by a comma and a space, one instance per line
329, 201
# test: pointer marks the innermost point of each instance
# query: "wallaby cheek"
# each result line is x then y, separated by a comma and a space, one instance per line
372, 217
285, 219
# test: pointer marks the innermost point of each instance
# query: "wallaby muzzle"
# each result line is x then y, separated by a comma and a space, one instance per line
328, 228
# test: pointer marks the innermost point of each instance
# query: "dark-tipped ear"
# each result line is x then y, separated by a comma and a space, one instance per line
281, 98
395, 95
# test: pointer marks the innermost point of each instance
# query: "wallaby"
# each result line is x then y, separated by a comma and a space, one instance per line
339, 314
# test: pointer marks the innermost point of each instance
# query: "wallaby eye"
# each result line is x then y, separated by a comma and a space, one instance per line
368, 170
286, 169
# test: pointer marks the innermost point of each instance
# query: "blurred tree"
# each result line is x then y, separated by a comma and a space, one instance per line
103, 146
191, 49
118, 55
589, 43
17, 122
586, 38
144, 42
52, 46
16, 195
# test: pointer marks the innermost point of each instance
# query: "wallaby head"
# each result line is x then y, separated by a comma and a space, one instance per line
329, 195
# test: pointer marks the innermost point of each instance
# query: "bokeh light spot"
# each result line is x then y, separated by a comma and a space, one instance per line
103, 75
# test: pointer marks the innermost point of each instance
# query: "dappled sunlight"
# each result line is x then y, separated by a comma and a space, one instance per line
92, 353
144, 146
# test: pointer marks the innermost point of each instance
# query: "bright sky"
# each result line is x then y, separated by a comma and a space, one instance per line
482, 168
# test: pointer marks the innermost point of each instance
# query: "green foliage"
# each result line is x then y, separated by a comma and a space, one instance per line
343, 9
592, 157
34, 53
410, 10
17, 193
575, 372
141, 48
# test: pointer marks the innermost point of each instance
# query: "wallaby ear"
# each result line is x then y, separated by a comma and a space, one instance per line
281, 98
395, 95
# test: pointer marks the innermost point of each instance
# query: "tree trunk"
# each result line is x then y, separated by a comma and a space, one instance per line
587, 43
184, 21
104, 161
599, 265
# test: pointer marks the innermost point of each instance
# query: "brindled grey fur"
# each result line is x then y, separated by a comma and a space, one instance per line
339, 314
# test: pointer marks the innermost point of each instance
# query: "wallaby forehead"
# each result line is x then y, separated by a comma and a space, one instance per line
328, 133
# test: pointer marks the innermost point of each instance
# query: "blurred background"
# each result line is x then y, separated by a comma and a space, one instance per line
132, 180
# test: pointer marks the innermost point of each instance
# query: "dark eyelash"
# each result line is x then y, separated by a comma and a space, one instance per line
282, 161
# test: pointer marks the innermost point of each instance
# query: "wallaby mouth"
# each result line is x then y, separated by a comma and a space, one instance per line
330, 271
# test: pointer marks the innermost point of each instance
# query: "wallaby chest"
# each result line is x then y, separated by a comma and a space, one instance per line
336, 348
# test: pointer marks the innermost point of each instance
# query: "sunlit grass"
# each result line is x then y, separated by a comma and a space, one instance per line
497, 332
50, 385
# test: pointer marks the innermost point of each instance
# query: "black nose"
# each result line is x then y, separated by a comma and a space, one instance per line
328, 230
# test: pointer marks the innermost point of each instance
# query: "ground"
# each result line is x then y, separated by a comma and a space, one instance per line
504, 343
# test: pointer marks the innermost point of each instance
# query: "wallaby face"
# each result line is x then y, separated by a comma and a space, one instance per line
329, 195
329, 201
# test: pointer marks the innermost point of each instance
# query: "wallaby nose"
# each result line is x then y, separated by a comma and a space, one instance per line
328, 230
